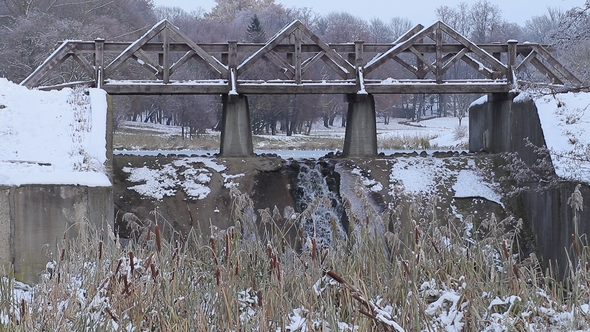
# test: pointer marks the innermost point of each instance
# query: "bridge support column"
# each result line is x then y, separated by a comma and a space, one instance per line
361, 127
236, 133
491, 124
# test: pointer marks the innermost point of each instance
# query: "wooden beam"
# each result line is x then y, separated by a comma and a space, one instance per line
525, 61
473, 47
310, 61
85, 64
455, 58
546, 71
212, 63
183, 59
54, 60
439, 64
297, 55
397, 49
166, 56
421, 61
478, 66
558, 67
134, 47
285, 67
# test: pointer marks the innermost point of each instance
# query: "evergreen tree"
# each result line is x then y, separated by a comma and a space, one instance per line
255, 32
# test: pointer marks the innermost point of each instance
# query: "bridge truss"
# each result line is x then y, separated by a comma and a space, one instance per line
297, 61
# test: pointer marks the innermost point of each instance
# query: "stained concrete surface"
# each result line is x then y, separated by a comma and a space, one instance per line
34, 219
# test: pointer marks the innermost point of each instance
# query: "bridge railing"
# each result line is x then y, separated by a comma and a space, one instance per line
423, 58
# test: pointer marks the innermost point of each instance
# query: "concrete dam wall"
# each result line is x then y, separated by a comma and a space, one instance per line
35, 218
501, 125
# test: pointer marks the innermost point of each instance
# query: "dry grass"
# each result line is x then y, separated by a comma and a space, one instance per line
137, 140
146, 139
412, 268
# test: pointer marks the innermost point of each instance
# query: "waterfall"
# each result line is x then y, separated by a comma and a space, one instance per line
316, 193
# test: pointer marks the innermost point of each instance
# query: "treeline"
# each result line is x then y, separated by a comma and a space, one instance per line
31, 29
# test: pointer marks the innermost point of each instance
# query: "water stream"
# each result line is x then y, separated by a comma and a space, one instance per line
316, 192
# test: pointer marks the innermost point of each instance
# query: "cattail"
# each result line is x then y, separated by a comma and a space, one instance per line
212, 243
334, 276
576, 247
63, 254
218, 276
406, 267
113, 317
367, 314
516, 271
158, 238
23, 310
59, 277
118, 266
434, 246
259, 297
505, 249
126, 283
237, 270
359, 298
100, 250
149, 232
131, 262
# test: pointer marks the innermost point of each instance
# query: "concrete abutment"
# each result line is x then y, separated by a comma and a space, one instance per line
502, 125
34, 219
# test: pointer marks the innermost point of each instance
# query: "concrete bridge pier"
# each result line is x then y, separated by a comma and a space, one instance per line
361, 127
236, 134
492, 125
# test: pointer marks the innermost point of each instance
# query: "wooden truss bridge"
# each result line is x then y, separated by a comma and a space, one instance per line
297, 61
355, 67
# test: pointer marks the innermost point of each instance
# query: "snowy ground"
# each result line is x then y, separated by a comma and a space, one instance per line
565, 119
52, 137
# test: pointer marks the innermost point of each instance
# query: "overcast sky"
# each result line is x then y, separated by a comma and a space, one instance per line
417, 11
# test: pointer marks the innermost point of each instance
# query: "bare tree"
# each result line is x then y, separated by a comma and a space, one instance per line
540, 29
380, 31
399, 26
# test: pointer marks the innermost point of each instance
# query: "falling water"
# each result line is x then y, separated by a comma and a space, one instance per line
316, 193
